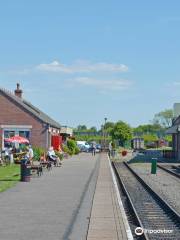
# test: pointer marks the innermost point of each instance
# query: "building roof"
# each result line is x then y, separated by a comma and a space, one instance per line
30, 108
66, 130
173, 129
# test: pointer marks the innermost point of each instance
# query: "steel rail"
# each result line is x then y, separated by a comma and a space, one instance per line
168, 171
171, 217
162, 201
131, 208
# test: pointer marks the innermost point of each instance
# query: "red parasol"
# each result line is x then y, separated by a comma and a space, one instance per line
17, 139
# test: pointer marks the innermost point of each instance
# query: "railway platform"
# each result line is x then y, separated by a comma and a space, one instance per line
75, 202
107, 220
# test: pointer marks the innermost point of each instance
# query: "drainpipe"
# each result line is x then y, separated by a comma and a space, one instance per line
178, 142
47, 135
2, 139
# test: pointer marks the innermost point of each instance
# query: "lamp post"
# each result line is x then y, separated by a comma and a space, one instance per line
105, 120
178, 132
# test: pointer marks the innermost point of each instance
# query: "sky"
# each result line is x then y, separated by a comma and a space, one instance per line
81, 61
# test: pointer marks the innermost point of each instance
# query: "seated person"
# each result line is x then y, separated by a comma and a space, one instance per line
42, 158
53, 158
1, 161
14, 150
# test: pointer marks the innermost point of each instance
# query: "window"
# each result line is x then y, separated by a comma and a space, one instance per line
24, 134
15, 132
8, 134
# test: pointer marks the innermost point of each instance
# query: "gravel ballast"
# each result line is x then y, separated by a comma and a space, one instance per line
166, 185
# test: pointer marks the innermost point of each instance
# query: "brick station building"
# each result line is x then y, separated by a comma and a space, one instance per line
19, 117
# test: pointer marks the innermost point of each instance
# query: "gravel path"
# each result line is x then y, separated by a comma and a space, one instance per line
55, 206
163, 183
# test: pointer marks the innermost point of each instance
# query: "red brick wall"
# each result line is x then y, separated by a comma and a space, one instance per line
12, 114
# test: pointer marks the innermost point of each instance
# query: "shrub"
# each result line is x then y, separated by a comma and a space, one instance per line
77, 150
71, 152
38, 152
71, 144
23, 147
60, 155
65, 149
113, 144
71, 147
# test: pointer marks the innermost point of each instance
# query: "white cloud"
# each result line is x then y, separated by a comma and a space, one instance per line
82, 67
113, 84
24, 71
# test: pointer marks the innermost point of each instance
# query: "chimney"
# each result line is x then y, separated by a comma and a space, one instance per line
18, 92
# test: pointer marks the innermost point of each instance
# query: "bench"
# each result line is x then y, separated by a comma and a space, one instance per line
37, 168
46, 164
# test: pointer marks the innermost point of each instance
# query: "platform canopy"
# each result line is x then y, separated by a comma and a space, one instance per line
173, 129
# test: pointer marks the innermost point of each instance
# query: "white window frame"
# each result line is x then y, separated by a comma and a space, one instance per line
15, 128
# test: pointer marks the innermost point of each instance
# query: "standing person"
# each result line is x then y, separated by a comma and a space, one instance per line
30, 154
7, 155
1, 160
113, 144
93, 148
110, 149
11, 158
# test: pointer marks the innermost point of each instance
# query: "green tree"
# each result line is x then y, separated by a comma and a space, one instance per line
155, 128
164, 118
121, 131
108, 126
150, 138
81, 128
93, 129
168, 138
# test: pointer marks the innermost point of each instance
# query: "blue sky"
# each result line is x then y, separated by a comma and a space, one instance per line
81, 61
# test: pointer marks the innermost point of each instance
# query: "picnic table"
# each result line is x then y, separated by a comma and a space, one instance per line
18, 156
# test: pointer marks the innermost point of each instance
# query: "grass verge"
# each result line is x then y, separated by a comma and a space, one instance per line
9, 176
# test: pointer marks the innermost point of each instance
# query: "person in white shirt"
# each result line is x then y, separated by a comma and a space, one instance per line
30, 154
53, 158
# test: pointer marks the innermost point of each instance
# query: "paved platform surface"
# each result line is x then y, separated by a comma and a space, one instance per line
56, 206
106, 220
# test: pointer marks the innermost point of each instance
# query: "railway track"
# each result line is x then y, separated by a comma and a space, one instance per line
131, 213
172, 169
154, 215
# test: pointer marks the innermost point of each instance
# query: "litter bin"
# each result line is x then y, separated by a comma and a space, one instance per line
154, 166
25, 171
